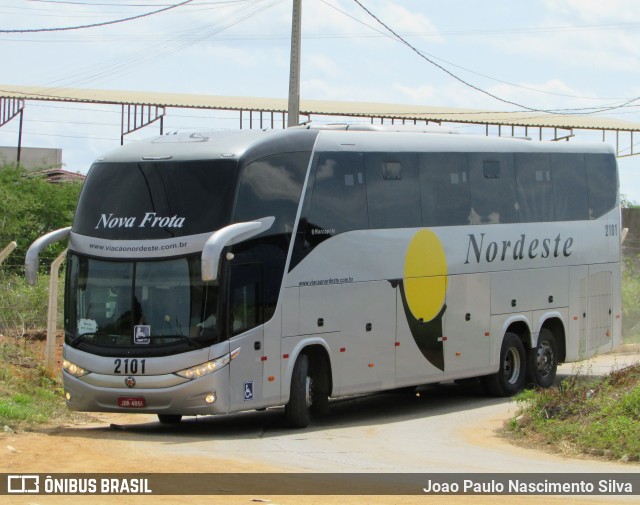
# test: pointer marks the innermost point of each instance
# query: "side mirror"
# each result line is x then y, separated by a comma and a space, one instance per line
31, 258
229, 235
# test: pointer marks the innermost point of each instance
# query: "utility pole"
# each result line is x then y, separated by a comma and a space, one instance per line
294, 69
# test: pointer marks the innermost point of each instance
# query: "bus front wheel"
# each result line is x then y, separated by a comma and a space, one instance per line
297, 411
169, 418
511, 375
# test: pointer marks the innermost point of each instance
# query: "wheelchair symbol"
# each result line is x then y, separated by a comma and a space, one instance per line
248, 391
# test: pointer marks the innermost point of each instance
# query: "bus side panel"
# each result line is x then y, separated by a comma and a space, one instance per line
577, 326
319, 309
290, 311
467, 326
362, 316
412, 367
366, 359
271, 378
533, 289
540, 316
246, 371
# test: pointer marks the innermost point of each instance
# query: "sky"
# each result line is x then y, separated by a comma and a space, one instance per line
582, 55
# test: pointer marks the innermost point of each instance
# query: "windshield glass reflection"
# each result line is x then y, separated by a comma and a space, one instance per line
140, 304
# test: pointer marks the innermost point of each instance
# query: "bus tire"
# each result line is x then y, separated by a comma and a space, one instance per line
169, 418
542, 360
511, 376
297, 411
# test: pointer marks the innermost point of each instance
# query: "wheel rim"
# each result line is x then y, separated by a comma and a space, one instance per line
512, 365
308, 392
545, 359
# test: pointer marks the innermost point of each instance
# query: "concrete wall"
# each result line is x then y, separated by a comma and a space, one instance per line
33, 157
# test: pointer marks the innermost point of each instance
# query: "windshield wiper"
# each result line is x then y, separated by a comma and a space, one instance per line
183, 338
79, 338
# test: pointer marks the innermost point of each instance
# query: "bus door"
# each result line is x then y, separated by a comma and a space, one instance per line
244, 322
591, 311
600, 309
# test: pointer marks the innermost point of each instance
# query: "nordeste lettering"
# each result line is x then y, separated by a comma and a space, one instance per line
479, 250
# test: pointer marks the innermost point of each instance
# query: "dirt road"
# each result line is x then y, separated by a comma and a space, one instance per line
444, 429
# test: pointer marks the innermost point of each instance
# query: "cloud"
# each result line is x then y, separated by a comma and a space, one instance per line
404, 21
422, 94
320, 64
593, 11
582, 34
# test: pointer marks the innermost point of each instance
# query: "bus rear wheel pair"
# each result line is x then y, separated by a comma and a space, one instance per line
519, 367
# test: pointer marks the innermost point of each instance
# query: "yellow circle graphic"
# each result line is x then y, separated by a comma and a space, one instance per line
425, 275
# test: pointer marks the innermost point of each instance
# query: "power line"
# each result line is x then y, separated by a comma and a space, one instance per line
100, 4
383, 34
586, 110
103, 4
177, 42
426, 58
95, 25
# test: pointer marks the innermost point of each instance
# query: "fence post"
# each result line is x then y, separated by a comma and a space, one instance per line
7, 251
52, 315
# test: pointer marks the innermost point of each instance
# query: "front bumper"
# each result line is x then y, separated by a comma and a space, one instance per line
160, 393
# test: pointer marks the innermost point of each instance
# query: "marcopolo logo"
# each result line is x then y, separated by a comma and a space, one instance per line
150, 220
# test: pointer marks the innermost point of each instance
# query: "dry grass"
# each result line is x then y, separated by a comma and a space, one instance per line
583, 416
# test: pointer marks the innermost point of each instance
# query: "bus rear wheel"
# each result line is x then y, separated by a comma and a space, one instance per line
511, 376
542, 360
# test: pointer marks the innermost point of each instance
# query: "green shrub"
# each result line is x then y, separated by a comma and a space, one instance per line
631, 299
582, 415
23, 308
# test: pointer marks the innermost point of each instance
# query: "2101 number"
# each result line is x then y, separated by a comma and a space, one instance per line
610, 230
129, 366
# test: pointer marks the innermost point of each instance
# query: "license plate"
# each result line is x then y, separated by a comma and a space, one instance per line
130, 402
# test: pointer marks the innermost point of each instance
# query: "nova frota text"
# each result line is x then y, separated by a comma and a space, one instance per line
479, 250
150, 220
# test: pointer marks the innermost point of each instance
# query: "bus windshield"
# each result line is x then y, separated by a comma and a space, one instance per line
156, 200
140, 307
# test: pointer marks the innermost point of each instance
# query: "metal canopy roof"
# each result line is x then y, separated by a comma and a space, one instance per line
9, 94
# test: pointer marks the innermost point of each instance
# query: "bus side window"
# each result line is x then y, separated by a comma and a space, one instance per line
602, 183
534, 187
245, 297
271, 186
493, 197
393, 192
339, 200
444, 186
569, 187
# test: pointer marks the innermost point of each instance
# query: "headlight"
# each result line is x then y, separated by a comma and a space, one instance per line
209, 367
73, 369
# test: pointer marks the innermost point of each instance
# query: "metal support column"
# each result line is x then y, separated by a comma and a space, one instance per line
294, 70
138, 116
9, 109
19, 154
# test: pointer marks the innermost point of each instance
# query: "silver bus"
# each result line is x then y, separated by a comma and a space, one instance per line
222, 272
